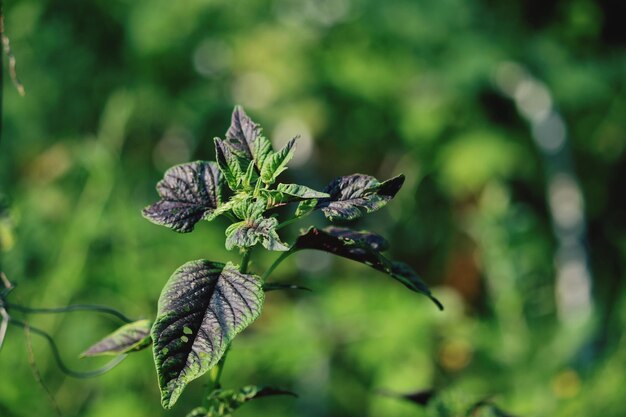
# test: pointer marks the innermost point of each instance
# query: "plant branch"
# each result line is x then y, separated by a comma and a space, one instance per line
71, 308
57, 355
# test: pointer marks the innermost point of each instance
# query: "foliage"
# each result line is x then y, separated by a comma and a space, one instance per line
117, 92
205, 304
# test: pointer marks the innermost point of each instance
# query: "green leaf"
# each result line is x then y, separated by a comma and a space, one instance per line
189, 192
203, 306
247, 208
224, 402
228, 164
262, 150
251, 231
289, 193
277, 162
128, 338
305, 207
363, 247
250, 177
354, 195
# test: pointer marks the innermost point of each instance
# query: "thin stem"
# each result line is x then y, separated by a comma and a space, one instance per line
277, 262
245, 260
69, 309
288, 222
57, 355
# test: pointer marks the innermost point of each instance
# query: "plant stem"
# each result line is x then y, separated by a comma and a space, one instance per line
277, 262
69, 309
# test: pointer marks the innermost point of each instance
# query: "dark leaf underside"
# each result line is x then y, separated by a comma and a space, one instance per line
362, 247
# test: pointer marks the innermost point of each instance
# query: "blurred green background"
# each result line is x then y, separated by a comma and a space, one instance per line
507, 117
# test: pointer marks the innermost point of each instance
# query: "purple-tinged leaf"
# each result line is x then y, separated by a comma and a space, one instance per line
228, 164
128, 338
242, 135
361, 247
189, 192
203, 306
354, 195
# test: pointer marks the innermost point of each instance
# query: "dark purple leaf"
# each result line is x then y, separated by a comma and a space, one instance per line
361, 247
354, 195
189, 192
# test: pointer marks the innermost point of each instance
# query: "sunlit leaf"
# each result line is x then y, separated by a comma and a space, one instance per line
244, 138
189, 192
203, 306
362, 247
354, 195
128, 338
277, 162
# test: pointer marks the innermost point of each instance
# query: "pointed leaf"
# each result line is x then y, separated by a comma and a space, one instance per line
229, 164
128, 338
249, 232
362, 247
242, 135
354, 195
203, 306
277, 162
289, 193
189, 192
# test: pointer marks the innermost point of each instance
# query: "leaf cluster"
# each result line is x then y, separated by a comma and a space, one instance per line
205, 303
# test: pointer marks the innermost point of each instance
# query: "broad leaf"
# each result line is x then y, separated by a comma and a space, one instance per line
362, 247
354, 195
128, 338
189, 192
224, 402
249, 232
245, 139
277, 162
228, 163
203, 306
